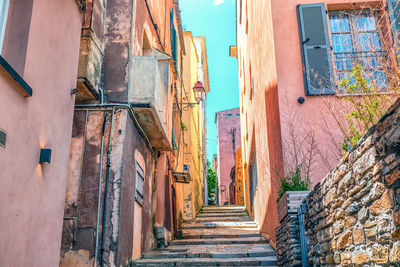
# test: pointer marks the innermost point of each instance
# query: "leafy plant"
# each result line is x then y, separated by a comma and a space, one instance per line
184, 126
367, 104
212, 184
294, 182
179, 234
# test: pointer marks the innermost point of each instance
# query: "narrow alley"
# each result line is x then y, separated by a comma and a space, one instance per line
219, 236
199, 133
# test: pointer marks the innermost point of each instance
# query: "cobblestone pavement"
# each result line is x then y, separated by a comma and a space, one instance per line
219, 236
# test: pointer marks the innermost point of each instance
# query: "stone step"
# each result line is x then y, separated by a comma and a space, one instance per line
222, 214
171, 255
194, 236
223, 208
216, 249
219, 225
220, 241
220, 231
221, 219
251, 261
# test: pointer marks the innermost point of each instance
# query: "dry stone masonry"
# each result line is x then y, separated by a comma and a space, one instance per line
353, 214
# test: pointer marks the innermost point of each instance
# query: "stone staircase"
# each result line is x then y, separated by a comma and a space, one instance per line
219, 236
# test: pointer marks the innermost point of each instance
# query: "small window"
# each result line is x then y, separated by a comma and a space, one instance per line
3, 20
356, 41
139, 184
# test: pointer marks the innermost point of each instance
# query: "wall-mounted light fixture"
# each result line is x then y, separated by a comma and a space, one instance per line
199, 91
45, 155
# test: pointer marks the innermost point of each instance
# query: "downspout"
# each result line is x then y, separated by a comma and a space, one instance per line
129, 107
106, 189
99, 195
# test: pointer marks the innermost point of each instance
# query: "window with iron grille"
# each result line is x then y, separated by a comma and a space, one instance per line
356, 42
139, 184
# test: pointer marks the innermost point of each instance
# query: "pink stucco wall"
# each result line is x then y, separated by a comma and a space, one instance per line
228, 128
313, 117
275, 127
32, 195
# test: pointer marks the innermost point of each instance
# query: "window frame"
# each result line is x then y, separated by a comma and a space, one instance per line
4, 6
356, 43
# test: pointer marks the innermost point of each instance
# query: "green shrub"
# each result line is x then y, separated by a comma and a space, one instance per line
294, 182
212, 185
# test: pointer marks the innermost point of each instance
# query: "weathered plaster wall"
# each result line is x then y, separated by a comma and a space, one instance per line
228, 141
32, 195
79, 233
353, 214
239, 179
260, 118
192, 134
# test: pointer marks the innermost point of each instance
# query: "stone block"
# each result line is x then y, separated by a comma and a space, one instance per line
361, 257
336, 258
353, 208
389, 159
382, 204
366, 161
358, 236
396, 218
344, 240
363, 215
345, 258
346, 181
349, 221
329, 259
370, 233
380, 254
392, 178
330, 197
395, 252
378, 167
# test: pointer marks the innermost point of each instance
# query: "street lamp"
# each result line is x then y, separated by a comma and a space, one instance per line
198, 90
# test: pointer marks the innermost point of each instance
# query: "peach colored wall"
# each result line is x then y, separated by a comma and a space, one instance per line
312, 117
259, 111
32, 195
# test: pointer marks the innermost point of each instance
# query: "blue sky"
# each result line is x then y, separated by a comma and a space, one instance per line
215, 19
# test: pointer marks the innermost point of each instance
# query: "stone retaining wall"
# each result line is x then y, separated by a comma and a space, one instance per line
353, 214
288, 242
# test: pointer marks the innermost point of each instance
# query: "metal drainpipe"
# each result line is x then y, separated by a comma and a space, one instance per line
129, 107
99, 195
101, 96
114, 106
106, 189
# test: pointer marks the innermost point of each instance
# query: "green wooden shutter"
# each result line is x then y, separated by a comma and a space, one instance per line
394, 12
173, 38
315, 49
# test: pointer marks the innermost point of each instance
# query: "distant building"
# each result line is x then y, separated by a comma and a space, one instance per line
228, 141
